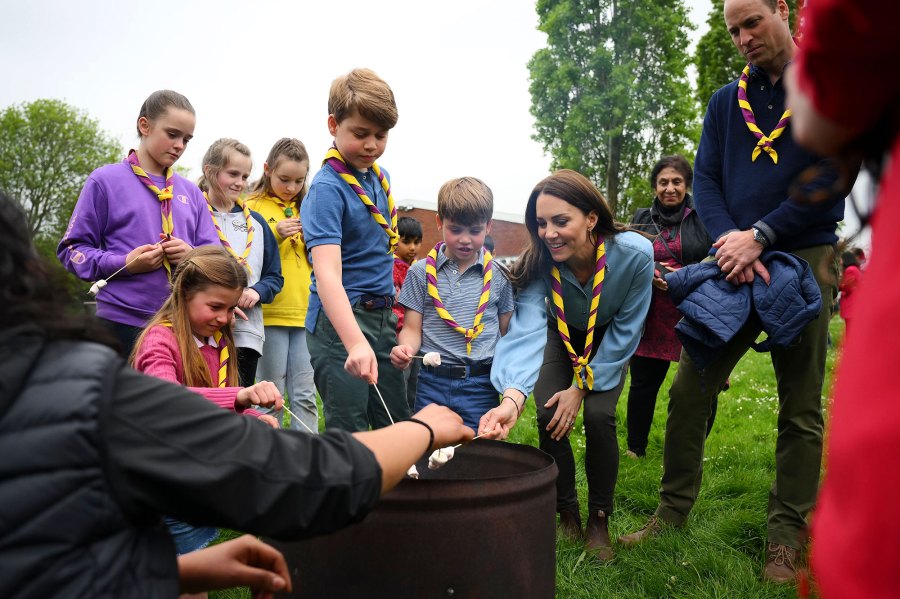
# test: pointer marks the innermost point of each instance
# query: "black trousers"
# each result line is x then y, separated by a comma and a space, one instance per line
126, 334
601, 456
647, 376
247, 359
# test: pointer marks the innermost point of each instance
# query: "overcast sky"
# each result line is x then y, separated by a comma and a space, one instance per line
458, 71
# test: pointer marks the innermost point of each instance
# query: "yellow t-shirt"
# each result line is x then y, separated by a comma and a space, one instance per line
289, 307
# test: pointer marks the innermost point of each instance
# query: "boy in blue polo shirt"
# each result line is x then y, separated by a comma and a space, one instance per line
350, 227
458, 304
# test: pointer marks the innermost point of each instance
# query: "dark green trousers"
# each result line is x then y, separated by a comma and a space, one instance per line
799, 372
350, 403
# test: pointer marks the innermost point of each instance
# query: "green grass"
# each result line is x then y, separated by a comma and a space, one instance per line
720, 552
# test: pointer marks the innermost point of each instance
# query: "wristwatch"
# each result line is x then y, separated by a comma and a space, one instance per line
760, 237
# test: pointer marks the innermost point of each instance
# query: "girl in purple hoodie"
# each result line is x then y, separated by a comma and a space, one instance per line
136, 219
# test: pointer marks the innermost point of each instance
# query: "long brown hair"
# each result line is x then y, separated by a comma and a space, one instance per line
200, 269
577, 190
286, 148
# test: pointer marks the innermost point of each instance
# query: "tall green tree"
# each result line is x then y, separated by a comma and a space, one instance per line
47, 150
717, 59
610, 93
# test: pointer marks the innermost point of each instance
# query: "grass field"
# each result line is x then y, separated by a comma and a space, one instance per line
720, 553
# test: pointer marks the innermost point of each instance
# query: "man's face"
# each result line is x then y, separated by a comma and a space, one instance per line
760, 34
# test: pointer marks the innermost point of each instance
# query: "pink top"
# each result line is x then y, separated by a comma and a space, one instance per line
159, 356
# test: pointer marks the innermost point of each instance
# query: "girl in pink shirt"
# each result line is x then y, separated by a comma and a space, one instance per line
189, 342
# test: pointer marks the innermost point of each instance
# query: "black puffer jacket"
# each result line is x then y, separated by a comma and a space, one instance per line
94, 452
695, 241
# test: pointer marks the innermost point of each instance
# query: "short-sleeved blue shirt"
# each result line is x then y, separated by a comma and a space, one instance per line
332, 214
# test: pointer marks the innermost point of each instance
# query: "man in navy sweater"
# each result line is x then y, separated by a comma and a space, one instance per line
745, 165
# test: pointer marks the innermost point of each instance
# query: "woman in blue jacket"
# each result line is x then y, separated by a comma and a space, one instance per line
584, 285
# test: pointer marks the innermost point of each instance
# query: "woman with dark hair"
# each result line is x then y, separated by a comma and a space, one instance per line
679, 239
850, 280
584, 289
96, 452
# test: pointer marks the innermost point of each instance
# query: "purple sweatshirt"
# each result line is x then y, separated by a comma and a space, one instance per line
116, 213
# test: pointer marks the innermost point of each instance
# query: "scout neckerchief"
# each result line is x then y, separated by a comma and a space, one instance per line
289, 211
336, 161
163, 195
225, 243
584, 376
765, 141
431, 282
222, 345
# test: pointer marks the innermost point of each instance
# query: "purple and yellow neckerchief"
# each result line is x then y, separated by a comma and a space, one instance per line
584, 376
222, 345
431, 283
163, 195
765, 141
225, 243
334, 159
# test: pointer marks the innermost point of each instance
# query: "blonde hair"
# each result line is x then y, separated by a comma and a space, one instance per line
216, 159
367, 94
467, 201
286, 148
159, 102
200, 269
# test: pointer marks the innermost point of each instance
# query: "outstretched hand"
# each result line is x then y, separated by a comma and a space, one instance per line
245, 561
263, 393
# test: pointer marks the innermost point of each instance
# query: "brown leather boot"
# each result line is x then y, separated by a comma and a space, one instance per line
651, 529
597, 541
570, 522
781, 563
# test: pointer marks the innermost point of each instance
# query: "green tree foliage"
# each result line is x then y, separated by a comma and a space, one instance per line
610, 93
47, 150
718, 61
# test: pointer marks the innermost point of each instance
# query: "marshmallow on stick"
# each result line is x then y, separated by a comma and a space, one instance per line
432, 358
100, 284
413, 472
96, 287
440, 457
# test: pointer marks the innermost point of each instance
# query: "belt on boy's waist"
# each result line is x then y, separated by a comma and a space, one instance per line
461, 371
376, 302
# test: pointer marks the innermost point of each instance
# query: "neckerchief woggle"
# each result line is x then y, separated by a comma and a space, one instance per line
431, 284
163, 195
584, 376
765, 141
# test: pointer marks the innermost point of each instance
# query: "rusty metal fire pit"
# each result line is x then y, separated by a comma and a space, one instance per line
484, 525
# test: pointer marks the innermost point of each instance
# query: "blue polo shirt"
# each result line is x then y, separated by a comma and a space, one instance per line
733, 192
332, 214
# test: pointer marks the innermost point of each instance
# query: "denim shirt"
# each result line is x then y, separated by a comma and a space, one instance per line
624, 301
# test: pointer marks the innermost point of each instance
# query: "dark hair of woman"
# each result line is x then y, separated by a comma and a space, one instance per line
679, 163
575, 189
29, 292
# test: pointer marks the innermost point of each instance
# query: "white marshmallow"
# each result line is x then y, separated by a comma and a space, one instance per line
440, 457
432, 358
96, 287
412, 472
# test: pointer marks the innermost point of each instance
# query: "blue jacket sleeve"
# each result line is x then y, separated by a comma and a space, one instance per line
708, 195
624, 331
270, 279
519, 353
